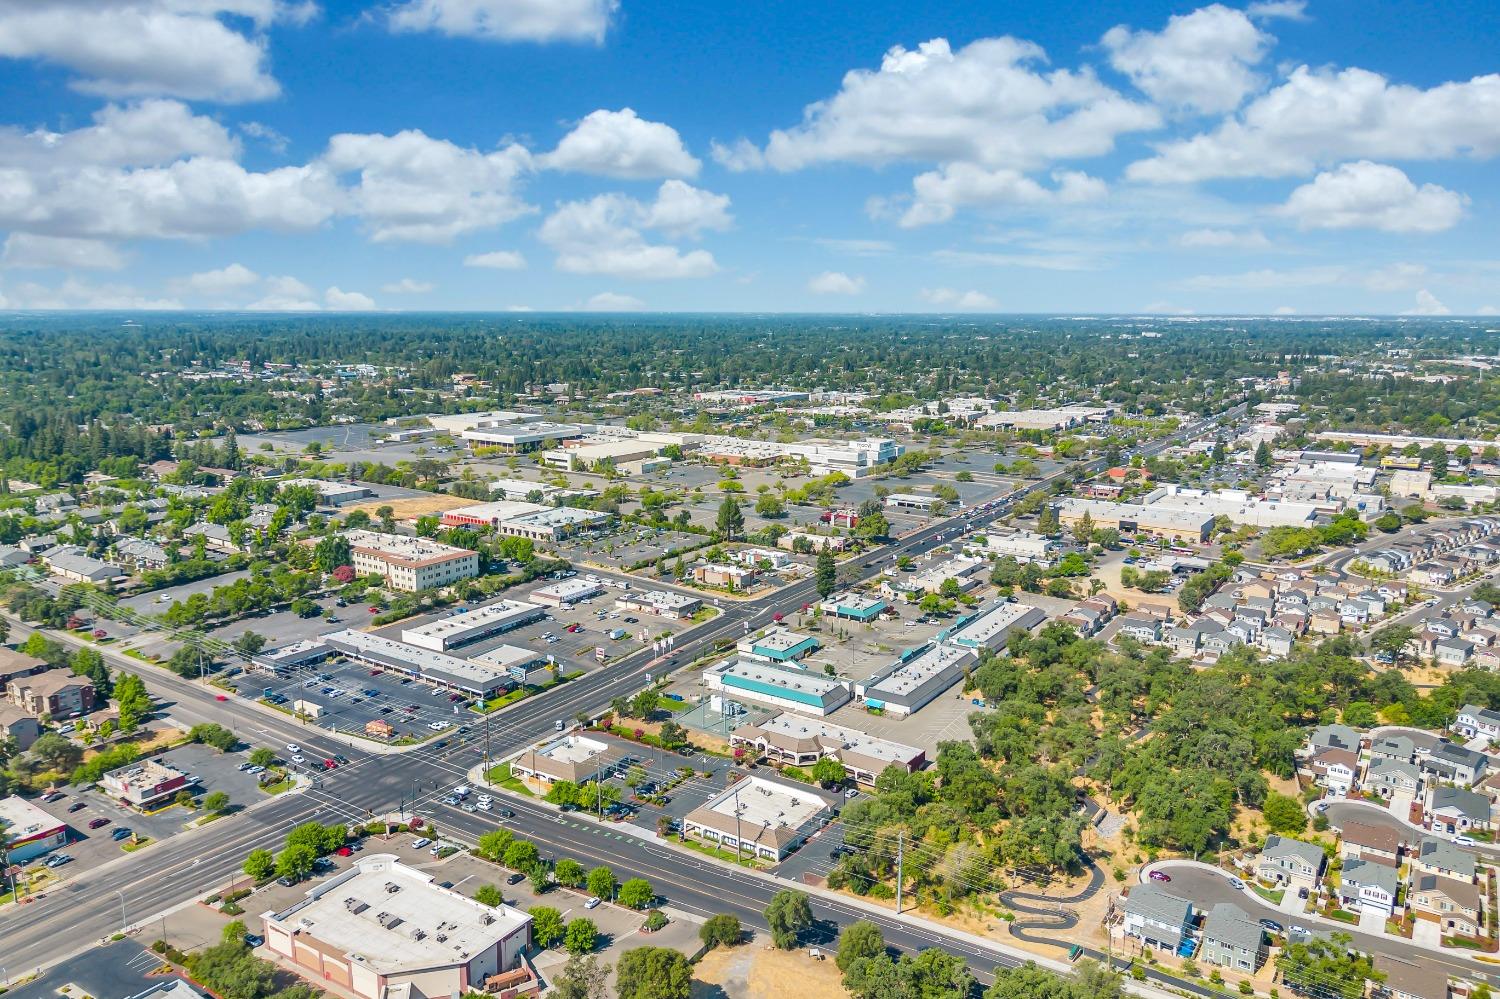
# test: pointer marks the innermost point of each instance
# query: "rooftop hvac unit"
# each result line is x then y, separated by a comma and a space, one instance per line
441, 938
418, 934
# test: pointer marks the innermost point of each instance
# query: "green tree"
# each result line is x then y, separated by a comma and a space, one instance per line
56, 751
569, 872
636, 893
653, 973
1330, 966
581, 936
296, 862
216, 802
262, 757
770, 505
583, 977
489, 895
859, 941
521, 855
546, 925
723, 930
1262, 455
827, 573
789, 916
260, 864
1393, 642
1284, 814
829, 771
730, 520
601, 883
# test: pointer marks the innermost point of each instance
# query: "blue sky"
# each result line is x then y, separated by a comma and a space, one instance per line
1327, 157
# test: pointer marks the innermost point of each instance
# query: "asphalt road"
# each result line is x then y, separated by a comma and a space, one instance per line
86, 907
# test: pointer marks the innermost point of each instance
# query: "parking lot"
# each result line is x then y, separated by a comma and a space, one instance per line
80, 809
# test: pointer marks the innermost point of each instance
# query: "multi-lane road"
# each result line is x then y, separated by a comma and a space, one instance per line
93, 903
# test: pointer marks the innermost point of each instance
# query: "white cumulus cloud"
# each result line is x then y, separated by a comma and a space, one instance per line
1321, 116
835, 283
498, 260
407, 286
624, 145
217, 283
1367, 195
27, 250
1427, 305
347, 301
508, 20
610, 301
603, 235
1203, 60
950, 298
196, 49
938, 194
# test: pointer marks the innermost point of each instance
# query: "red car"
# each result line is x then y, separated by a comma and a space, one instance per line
220, 697
97, 823
374, 610
344, 851
1159, 876
574, 627
330, 765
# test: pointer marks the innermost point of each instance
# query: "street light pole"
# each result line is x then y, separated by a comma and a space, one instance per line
122, 909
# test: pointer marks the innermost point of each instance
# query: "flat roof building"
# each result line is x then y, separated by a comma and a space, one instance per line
755, 815
461, 675
778, 645
520, 438
382, 929
332, 493
146, 784
411, 564
853, 606
521, 665
916, 678
30, 830
784, 686
663, 603
566, 592
992, 628
793, 740
1139, 518
472, 626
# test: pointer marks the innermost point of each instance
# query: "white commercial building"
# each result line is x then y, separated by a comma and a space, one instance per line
784, 686
992, 628
383, 930
755, 815
332, 493
438, 668
1026, 547
916, 678
566, 592
471, 626
411, 564
519, 438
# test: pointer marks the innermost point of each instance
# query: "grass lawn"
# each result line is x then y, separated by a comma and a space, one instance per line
1274, 897
722, 855
279, 786
138, 844
501, 777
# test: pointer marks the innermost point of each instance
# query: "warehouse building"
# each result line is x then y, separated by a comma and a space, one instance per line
382, 929
783, 686
1139, 518
331, 493
411, 564
778, 645
472, 626
916, 678
521, 438
992, 628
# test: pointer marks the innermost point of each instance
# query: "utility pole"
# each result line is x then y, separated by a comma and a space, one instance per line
486, 745
739, 844
900, 860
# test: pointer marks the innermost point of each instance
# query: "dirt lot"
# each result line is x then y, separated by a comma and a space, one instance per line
413, 506
752, 971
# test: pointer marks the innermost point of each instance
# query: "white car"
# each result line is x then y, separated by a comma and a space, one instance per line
1464, 840
298, 759
592, 903
484, 804
292, 747
418, 844
437, 726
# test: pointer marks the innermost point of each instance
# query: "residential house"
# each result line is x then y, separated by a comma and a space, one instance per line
1456, 810
1377, 844
1155, 918
1335, 770
1440, 856
1454, 905
1453, 764
1393, 747
18, 726
1475, 721
1334, 736
1453, 652
1290, 862
1142, 629
1231, 939
1366, 886
1393, 779
1277, 641
1324, 621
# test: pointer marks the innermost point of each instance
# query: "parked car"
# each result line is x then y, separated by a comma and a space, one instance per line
121, 833
57, 860
77, 806
1270, 924
98, 823
515, 878
1161, 876
592, 903
420, 843
1236, 882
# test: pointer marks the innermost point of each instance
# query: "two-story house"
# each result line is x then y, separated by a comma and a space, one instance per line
1290, 862
1454, 905
1157, 919
1366, 886
1232, 940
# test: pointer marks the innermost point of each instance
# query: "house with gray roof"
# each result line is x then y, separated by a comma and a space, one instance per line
1276, 641
1393, 778
1290, 862
1334, 736
1393, 747
1453, 764
1366, 886
1232, 939
1474, 721
1440, 856
1155, 918
1455, 810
